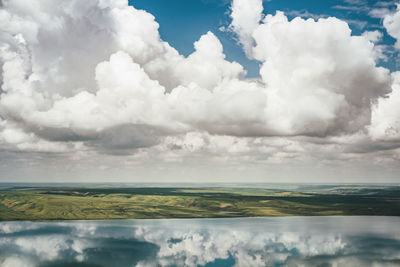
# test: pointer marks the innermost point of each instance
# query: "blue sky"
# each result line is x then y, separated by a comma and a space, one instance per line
182, 22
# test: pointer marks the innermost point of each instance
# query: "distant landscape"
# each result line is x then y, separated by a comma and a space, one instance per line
101, 202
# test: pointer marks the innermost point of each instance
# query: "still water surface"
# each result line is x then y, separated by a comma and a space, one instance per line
277, 241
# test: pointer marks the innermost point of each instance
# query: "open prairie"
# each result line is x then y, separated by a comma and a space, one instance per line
27, 203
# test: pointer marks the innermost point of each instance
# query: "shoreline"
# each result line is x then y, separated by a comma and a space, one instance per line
195, 218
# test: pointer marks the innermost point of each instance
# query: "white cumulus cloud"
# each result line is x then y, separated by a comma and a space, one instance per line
96, 76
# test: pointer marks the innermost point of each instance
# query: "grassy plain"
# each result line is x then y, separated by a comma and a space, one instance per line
122, 203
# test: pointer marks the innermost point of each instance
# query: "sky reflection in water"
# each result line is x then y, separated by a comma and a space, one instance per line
280, 241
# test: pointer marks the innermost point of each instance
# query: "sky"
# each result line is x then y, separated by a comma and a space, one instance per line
196, 17
200, 91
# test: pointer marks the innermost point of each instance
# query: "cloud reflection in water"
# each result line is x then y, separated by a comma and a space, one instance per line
290, 241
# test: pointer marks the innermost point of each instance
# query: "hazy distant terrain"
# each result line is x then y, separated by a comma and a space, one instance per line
52, 203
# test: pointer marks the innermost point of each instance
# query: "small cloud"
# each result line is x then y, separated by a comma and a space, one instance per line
357, 23
356, 2
358, 9
223, 29
386, 4
373, 36
379, 12
305, 14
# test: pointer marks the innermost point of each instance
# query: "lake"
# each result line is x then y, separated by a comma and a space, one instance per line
273, 241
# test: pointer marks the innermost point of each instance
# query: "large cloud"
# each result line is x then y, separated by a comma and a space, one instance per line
320, 78
98, 65
391, 22
386, 113
246, 16
97, 74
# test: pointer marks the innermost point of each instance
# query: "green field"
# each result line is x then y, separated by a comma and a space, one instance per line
70, 203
